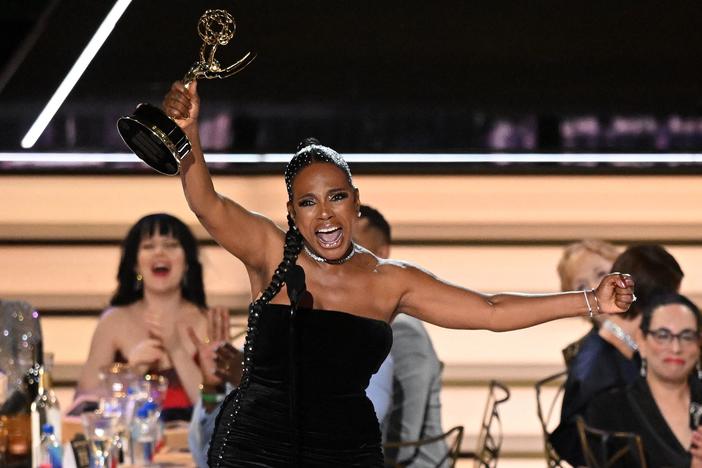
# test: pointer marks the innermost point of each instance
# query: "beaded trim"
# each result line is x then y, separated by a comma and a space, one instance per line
252, 326
338, 261
309, 154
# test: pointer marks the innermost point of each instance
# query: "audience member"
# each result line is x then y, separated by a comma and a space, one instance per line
416, 406
220, 364
582, 265
664, 403
159, 296
607, 357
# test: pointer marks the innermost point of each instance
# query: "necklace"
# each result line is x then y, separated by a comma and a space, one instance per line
621, 334
338, 261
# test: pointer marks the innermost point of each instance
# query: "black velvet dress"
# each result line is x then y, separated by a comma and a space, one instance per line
302, 401
633, 409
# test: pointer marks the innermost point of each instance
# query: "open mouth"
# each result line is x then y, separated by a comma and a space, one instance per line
160, 269
329, 237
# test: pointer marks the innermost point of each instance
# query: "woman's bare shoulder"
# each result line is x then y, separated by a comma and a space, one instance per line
193, 314
398, 268
117, 316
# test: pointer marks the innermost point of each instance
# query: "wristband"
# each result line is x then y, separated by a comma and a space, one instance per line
212, 398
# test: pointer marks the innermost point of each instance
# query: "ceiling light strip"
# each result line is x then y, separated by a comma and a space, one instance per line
405, 158
75, 73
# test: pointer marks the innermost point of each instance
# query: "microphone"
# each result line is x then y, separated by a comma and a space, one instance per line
295, 280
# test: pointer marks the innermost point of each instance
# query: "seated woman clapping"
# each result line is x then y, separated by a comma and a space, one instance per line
658, 406
159, 297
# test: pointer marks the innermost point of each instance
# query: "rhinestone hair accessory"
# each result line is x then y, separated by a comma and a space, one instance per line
310, 153
338, 261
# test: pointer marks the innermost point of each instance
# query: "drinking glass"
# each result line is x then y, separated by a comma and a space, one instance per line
100, 431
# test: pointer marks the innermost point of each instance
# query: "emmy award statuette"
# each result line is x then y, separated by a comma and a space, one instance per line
154, 136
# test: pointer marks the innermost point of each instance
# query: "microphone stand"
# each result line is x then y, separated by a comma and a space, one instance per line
296, 287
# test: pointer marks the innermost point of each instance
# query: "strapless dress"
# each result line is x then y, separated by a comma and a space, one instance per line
302, 401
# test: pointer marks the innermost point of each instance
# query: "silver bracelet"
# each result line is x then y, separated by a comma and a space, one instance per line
587, 301
597, 301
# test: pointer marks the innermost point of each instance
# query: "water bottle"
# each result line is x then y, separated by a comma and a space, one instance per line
50, 450
144, 436
45, 408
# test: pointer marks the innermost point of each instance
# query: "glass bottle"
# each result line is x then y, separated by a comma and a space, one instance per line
44, 410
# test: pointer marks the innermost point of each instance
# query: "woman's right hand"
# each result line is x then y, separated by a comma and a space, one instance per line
696, 448
182, 104
146, 352
217, 334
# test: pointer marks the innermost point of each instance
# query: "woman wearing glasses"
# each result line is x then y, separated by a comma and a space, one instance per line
662, 404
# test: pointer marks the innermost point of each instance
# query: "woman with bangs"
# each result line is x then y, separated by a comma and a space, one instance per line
301, 400
159, 297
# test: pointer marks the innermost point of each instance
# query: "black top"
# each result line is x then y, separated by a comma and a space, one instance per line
597, 367
324, 418
633, 409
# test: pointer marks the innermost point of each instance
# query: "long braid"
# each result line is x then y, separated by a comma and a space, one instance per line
291, 250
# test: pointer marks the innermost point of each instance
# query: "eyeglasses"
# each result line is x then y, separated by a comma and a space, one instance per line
663, 336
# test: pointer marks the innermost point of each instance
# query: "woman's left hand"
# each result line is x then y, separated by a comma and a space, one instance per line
615, 294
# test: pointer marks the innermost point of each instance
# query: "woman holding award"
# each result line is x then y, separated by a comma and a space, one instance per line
301, 400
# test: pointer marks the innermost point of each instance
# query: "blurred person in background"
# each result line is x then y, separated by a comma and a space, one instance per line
416, 403
220, 365
582, 265
608, 356
663, 404
160, 295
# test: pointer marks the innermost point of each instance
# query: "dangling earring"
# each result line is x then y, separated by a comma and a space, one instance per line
359, 214
139, 282
643, 367
699, 370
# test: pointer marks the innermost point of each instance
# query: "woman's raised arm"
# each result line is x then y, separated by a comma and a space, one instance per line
433, 300
245, 234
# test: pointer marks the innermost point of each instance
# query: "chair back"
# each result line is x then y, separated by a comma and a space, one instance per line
604, 449
548, 408
490, 435
571, 350
452, 438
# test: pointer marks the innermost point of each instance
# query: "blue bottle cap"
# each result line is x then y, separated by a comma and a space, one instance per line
142, 412
145, 409
47, 429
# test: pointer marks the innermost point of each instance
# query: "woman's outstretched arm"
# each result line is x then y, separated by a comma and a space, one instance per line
433, 300
245, 234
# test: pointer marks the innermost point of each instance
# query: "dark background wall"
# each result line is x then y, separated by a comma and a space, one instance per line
370, 75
